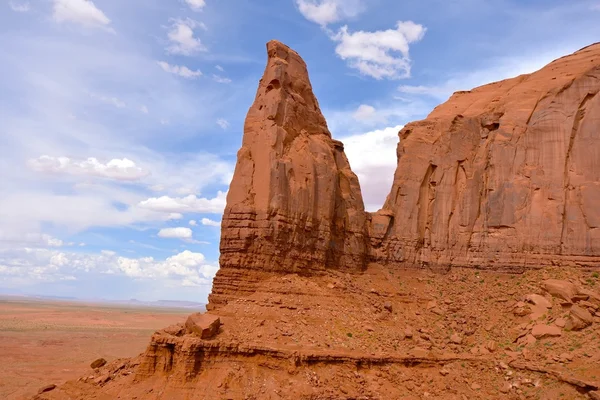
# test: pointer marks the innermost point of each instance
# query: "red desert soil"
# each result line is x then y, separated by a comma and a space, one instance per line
49, 342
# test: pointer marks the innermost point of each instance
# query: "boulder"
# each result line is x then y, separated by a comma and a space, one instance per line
99, 363
579, 318
545, 331
206, 326
538, 300
564, 290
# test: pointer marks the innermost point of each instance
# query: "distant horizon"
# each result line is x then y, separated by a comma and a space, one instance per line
177, 304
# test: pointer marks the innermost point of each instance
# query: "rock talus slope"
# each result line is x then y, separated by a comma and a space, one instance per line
505, 176
294, 205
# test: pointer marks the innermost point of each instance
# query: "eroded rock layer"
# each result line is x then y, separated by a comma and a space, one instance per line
504, 176
294, 205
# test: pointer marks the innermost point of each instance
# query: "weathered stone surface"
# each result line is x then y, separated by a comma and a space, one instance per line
294, 205
206, 326
544, 331
504, 176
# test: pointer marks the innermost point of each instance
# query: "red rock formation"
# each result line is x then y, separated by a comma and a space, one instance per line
504, 176
294, 205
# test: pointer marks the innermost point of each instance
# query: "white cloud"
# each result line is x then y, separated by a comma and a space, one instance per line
372, 156
221, 79
182, 71
117, 169
219, 68
324, 12
28, 265
19, 7
379, 54
188, 204
365, 112
223, 123
210, 222
109, 100
83, 12
196, 5
144, 109
175, 216
181, 36
14, 239
175, 233
193, 222
500, 68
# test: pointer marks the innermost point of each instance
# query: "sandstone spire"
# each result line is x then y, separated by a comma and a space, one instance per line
294, 205
504, 176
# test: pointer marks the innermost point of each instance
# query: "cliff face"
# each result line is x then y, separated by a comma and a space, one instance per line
505, 176
294, 205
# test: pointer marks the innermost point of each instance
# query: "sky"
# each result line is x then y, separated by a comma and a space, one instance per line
120, 120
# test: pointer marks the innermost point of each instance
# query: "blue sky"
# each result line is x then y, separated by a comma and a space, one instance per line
120, 120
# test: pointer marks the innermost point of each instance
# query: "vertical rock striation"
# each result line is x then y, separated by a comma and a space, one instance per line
294, 205
505, 176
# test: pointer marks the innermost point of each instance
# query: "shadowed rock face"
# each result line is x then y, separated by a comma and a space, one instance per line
294, 205
505, 176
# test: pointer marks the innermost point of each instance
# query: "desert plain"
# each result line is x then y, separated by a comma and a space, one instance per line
45, 342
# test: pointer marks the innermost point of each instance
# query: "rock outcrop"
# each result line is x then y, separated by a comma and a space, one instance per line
294, 205
505, 176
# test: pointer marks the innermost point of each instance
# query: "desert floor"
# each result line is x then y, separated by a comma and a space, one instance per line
49, 342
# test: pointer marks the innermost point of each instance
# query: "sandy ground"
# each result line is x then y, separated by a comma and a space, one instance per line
50, 342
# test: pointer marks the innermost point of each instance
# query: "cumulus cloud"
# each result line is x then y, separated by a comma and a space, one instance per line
117, 169
19, 6
188, 204
365, 112
221, 79
379, 54
182, 70
196, 5
210, 222
372, 156
324, 12
223, 123
182, 37
29, 265
175, 233
193, 222
82, 12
